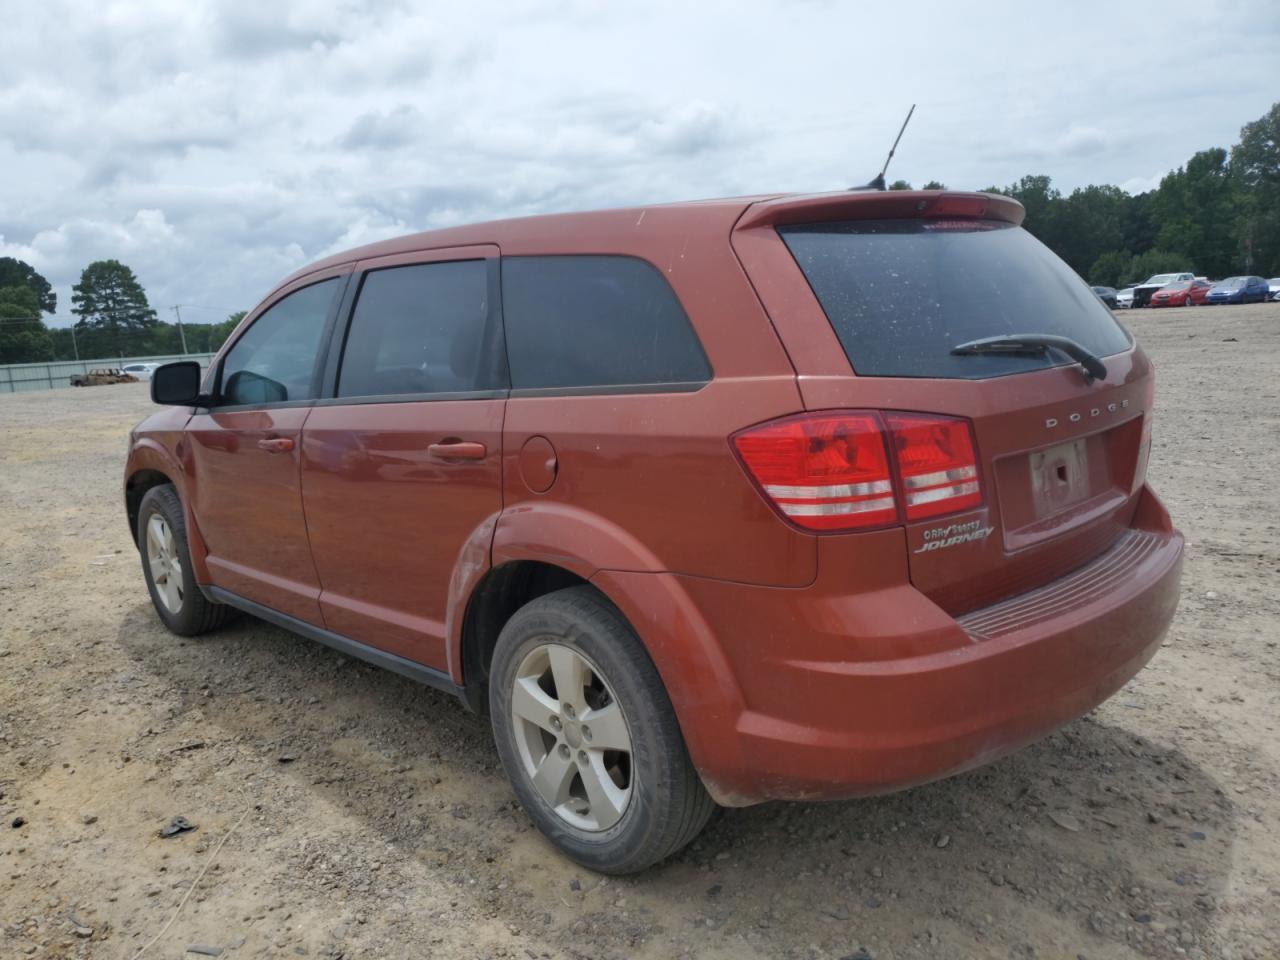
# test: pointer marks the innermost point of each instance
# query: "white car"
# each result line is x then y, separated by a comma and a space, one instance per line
1273, 285
1124, 298
142, 371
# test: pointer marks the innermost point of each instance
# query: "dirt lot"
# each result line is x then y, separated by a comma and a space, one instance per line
366, 817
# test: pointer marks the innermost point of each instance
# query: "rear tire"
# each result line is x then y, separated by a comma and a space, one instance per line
617, 798
166, 566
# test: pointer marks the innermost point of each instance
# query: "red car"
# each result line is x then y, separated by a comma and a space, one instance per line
1184, 293
708, 503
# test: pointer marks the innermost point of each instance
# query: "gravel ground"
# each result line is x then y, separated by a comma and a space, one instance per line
366, 817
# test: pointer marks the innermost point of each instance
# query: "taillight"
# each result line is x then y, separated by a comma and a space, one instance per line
937, 466
831, 471
823, 471
951, 205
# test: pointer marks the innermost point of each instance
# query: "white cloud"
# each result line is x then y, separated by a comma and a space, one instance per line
216, 145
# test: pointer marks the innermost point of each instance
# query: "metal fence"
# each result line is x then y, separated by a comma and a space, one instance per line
16, 377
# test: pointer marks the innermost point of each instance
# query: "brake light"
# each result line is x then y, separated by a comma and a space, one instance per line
950, 205
937, 466
823, 471
831, 471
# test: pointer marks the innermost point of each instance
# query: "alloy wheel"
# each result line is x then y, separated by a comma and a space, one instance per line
162, 558
572, 737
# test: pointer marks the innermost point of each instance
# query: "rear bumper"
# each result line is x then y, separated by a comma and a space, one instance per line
816, 726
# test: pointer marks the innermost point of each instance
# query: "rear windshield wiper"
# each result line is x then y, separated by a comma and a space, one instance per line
1036, 343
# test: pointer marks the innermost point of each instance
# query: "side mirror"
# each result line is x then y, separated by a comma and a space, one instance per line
176, 384
245, 386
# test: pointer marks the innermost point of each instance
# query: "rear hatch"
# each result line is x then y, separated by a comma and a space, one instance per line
871, 293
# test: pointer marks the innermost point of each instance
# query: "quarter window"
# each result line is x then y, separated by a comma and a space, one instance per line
595, 321
423, 328
274, 360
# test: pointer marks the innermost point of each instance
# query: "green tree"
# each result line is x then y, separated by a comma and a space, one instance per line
16, 273
115, 317
1039, 198
1112, 269
1256, 161
900, 185
934, 185
23, 337
1148, 264
1139, 229
1087, 224
1196, 208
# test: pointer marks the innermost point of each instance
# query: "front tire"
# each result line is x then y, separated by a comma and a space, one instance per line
588, 737
166, 566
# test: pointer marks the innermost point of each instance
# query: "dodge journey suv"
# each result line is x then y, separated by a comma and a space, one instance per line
705, 504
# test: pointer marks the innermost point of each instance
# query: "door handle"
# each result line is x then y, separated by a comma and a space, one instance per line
276, 444
457, 450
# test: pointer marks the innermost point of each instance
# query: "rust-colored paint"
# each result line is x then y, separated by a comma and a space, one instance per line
799, 666
248, 503
387, 516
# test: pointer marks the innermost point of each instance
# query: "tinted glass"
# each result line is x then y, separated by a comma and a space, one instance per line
901, 293
275, 358
421, 329
595, 321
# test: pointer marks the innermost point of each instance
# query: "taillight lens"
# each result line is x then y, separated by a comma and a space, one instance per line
823, 471
831, 471
937, 466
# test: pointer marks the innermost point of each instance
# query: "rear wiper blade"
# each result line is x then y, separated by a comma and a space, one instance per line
1037, 343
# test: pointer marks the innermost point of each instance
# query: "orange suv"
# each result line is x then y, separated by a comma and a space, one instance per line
712, 503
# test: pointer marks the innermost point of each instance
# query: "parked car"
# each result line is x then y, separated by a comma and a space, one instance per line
100, 376
1143, 292
1107, 295
645, 486
1183, 293
1238, 290
142, 371
1124, 296
1273, 287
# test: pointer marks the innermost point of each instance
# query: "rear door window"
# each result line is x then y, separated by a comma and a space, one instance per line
426, 328
901, 293
582, 322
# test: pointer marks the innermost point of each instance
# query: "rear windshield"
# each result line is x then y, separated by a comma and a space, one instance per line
901, 293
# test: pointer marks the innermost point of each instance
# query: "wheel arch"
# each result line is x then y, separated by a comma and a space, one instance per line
150, 465
135, 488
538, 549
498, 594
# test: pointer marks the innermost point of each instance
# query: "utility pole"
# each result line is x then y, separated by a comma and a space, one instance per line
177, 312
75, 349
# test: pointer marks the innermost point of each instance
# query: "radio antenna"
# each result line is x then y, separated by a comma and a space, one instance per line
878, 182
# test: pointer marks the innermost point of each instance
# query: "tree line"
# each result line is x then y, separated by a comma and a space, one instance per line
1217, 215
113, 318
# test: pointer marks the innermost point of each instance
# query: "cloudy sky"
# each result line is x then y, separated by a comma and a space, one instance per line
216, 145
